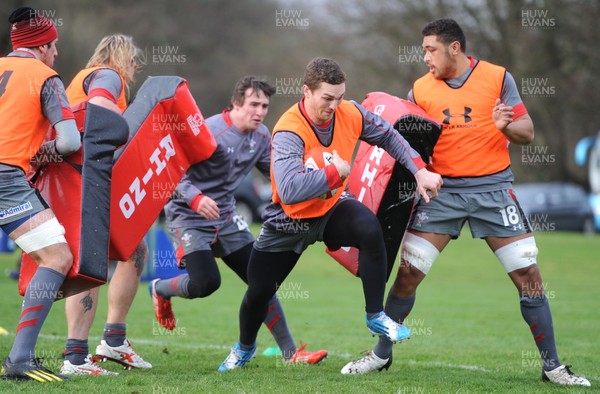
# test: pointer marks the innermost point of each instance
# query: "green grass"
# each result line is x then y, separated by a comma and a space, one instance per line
469, 336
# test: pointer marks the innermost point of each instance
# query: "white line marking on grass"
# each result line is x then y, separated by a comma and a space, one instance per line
448, 365
188, 345
183, 344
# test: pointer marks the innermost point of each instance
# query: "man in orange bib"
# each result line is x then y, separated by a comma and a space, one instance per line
32, 99
479, 106
312, 145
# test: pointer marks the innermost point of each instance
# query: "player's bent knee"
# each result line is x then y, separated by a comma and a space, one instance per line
259, 295
370, 232
518, 254
418, 252
60, 260
203, 288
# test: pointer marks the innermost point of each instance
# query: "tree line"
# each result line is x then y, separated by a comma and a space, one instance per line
548, 46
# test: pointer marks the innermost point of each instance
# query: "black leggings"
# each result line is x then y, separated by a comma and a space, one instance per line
203, 270
351, 224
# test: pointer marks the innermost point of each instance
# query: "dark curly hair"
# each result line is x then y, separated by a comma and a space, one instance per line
447, 31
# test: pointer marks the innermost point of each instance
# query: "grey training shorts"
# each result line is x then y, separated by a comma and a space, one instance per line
18, 199
294, 234
222, 240
490, 214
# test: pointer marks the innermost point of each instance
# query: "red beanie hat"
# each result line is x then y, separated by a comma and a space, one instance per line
34, 31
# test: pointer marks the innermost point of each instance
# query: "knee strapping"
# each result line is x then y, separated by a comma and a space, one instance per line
419, 252
518, 254
46, 234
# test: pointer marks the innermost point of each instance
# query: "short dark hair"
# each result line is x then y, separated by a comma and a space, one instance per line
447, 31
250, 81
321, 69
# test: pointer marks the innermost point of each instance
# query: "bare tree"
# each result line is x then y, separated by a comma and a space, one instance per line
546, 45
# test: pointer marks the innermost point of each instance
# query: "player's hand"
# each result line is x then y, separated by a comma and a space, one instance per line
428, 184
502, 114
341, 165
208, 208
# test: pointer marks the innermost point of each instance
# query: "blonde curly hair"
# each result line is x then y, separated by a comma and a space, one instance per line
118, 52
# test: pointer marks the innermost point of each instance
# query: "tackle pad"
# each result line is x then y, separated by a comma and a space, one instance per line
388, 189
107, 199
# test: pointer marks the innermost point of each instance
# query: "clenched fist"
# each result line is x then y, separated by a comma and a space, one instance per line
341, 165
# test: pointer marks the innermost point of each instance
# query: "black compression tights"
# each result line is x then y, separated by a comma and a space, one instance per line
351, 224
204, 274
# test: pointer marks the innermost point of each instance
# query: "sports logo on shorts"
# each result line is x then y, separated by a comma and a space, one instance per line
186, 239
8, 212
420, 218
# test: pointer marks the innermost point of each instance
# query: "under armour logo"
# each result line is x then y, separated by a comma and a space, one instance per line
464, 115
229, 149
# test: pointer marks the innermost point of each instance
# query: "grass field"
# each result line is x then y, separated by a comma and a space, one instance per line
468, 334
